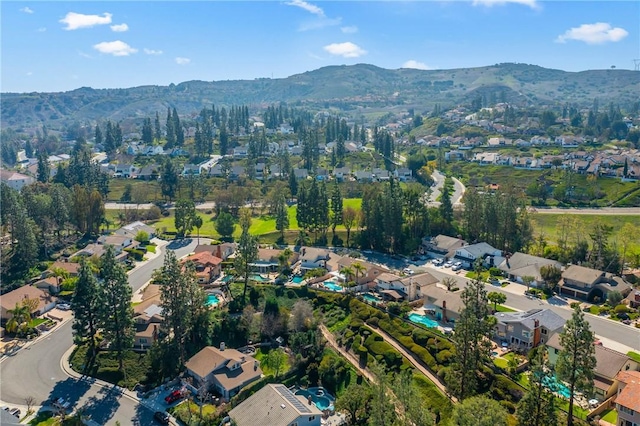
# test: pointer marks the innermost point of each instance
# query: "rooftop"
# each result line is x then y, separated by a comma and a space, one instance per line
273, 405
629, 396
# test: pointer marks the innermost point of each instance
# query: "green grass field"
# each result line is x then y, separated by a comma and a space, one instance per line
547, 225
261, 226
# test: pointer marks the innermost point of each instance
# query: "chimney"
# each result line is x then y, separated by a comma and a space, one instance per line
444, 311
304, 250
536, 332
219, 252
222, 346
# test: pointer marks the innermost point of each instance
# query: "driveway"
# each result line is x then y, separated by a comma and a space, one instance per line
35, 371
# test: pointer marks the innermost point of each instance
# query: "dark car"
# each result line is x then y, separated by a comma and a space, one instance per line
162, 417
174, 396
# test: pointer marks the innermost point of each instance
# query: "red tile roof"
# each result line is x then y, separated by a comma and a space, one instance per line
629, 396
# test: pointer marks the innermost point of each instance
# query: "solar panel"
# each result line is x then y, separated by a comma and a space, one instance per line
289, 396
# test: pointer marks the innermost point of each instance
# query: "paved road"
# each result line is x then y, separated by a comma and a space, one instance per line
35, 371
626, 211
623, 336
436, 190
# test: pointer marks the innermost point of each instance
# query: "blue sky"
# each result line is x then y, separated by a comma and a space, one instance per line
59, 46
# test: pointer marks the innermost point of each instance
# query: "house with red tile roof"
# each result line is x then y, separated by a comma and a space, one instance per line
207, 266
628, 398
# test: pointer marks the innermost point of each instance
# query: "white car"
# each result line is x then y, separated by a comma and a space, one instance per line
437, 262
456, 266
449, 264
63, 306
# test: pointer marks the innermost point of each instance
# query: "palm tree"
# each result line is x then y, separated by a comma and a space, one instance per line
20, 316
357, 267
347, 272
60, 274
283, 259
197, 222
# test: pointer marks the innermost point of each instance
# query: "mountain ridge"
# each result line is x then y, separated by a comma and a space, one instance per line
347, 87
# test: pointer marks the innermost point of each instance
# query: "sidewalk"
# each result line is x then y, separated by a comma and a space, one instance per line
149, 404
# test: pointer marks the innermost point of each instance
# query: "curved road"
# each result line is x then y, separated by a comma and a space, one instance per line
436, 190
35, 371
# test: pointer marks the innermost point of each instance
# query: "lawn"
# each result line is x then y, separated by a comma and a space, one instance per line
610, 416
500, 363
262, 225
501, 308
188, 412
484, 275
106, 368
260, 356
547, 225
634, 356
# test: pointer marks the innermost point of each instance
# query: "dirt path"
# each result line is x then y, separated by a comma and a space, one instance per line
413, 359
349, 356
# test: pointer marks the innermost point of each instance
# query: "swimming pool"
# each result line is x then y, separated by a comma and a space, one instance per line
320, 397
212, 299
332, 286
371, 298
227, 278
554, 385
259, 278
297, 280
421, 319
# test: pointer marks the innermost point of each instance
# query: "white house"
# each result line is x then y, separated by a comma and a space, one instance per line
488, 255
312, 258
15, 180
276, 405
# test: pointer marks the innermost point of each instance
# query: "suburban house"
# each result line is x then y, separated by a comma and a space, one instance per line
207, 266
131, 230
118, 242
483, 252
525, 330
15, 180
147, 316
276, 405
312, 258
444, 305
51, 284
223, 251
9, 300
634, 298
225, 370
368, 272
268, 260
586, 283
124, 170
417, 286
608, 364
96, 250
628, 398
390, 286
520, 265
70, 268
441, 246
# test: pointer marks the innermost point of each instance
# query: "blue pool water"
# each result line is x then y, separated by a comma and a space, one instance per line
320, 397
421, 319
297, 280
554, 385
259, 278
227, 278
370, 298
332, 286
212, 299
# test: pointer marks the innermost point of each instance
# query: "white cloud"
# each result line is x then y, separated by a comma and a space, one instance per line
115, 48
182, 61
26, 10
533, 4
311, 8
119, 28
412, 63
352, 29
598, 33
42, 29
29, 73
152, 51
346, 50
75, 21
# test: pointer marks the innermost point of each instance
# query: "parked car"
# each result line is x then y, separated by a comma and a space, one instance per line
437, 262
63, 306
494, 281
456, 266
15, 412
408, 271
449, 264
161, 417
60, 404
174, 396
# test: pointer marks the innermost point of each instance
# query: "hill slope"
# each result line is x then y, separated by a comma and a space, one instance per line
347, 87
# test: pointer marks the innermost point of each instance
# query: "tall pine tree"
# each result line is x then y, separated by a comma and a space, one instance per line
86, 304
